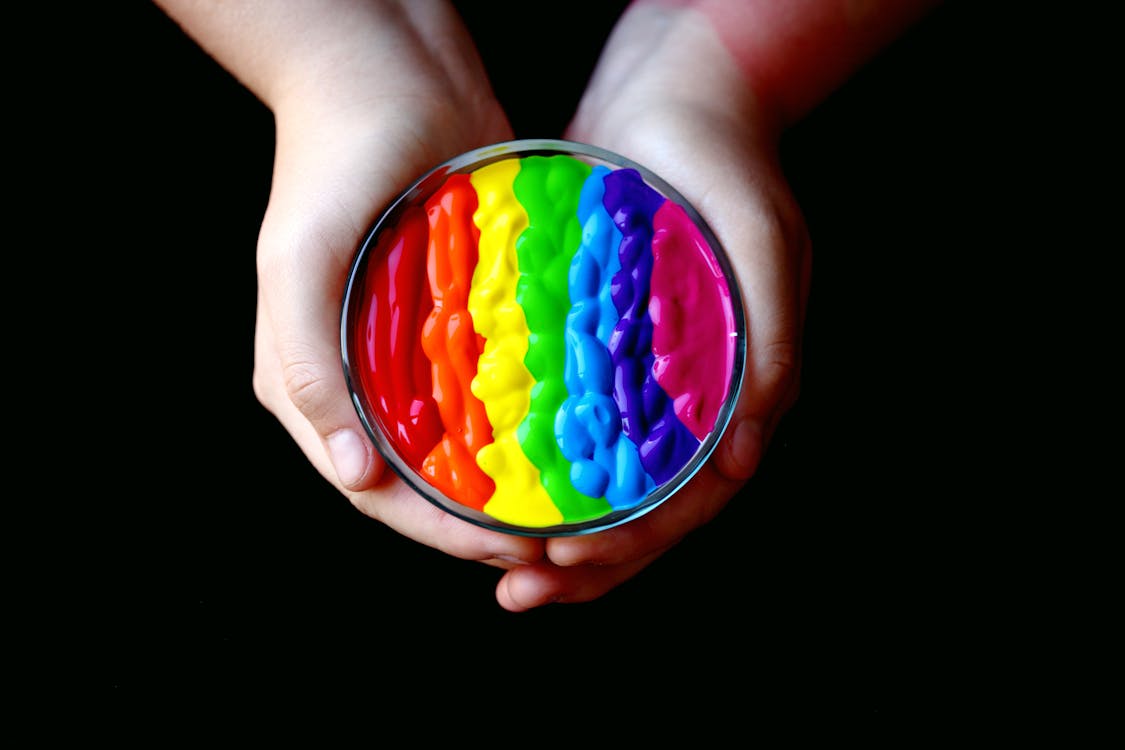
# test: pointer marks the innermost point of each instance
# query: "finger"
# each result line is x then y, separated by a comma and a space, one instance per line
770, 253
695, 504
393, 503
530, 586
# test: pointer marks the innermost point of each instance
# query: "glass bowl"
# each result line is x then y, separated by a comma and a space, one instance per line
543, 338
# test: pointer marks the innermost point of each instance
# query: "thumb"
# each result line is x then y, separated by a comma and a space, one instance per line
298, 367
759, 224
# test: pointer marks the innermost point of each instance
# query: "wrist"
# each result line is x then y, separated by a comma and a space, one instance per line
665, 59
793, 54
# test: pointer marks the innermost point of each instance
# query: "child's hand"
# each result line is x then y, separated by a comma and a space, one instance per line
668, 96
366, 97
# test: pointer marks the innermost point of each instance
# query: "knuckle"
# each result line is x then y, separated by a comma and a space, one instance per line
304, 383
782, 357
778, 366
261, 386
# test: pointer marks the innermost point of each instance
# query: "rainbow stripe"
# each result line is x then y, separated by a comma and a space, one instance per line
574, 349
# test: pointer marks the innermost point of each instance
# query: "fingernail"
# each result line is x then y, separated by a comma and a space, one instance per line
513, 560
747, 447
349, 456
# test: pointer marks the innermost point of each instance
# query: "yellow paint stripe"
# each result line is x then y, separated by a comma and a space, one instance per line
503, 382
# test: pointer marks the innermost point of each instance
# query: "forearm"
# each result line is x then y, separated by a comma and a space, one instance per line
327, 52
794, 53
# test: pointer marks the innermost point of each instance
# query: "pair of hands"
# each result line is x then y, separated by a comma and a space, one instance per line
390, 97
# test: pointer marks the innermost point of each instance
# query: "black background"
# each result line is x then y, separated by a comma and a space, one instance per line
208, 552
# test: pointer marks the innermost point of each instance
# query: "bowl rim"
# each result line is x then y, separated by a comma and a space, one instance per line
425, 185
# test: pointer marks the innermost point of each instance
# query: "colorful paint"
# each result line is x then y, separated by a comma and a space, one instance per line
544, 340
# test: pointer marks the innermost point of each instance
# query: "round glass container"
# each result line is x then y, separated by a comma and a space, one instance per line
543, 338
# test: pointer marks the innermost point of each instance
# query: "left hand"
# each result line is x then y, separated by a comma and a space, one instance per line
667, 95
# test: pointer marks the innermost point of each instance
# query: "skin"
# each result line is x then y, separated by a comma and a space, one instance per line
364, 93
